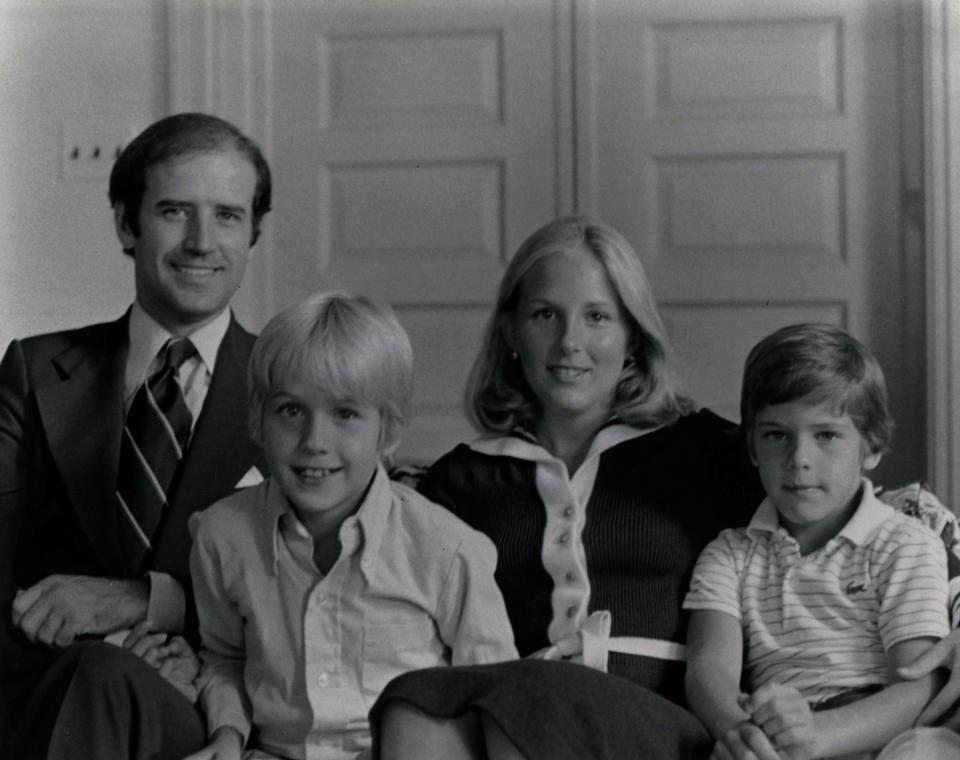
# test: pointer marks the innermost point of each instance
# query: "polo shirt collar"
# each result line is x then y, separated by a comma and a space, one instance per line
868, 518
870, 514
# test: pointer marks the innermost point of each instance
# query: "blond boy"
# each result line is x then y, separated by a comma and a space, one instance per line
318, 586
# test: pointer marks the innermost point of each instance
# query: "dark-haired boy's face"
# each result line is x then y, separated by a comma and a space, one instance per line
196, 222
810, 459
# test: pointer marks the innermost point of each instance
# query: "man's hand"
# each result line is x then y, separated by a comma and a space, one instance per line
60, 608
744, 741
786, 719
172, 656
943, 708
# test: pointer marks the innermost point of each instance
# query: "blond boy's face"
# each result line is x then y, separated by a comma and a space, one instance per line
810, 461
321, 451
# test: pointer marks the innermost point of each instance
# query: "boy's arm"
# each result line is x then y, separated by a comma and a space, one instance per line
943, 709
909, 569
714, 668
912, 589
471, 615
222, 694
862, 726
715, 650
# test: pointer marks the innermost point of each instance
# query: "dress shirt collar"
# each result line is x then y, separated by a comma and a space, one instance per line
870, 514
364, 530
147, 338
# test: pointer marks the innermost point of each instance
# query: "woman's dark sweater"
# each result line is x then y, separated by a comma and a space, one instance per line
656, 502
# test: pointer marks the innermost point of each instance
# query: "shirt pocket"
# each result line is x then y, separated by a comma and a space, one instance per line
390, 649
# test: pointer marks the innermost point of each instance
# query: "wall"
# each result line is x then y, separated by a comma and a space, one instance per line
92, 68
99, 67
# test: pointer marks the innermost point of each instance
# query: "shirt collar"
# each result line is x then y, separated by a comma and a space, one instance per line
870, 514
147, 337
364, 530
520, 444
372, 517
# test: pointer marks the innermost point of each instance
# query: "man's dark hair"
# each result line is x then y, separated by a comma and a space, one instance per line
176, 136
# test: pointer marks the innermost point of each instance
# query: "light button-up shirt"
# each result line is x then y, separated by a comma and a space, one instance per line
300, 656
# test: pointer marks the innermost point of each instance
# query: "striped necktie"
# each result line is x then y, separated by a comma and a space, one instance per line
154, 439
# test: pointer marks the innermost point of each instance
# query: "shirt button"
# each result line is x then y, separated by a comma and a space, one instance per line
323, 680
571, 576
571, 611
564, 537
568, 512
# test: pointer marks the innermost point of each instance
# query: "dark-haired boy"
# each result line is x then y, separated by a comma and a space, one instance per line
827, 590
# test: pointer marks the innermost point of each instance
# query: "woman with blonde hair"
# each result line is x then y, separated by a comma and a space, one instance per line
599, 485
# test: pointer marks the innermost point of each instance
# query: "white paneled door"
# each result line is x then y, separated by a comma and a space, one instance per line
415, 145
750, 150
755, 152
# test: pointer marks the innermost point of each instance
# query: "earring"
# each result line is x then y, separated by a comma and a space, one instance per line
514, 355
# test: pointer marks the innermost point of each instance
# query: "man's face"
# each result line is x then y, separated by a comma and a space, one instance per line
196, 222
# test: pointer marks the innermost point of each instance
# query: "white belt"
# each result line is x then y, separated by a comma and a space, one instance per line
591, 644
659, 648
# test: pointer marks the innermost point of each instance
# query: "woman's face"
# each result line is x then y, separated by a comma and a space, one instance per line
571, 334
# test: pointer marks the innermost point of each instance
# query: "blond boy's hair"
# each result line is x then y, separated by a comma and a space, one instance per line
348, 346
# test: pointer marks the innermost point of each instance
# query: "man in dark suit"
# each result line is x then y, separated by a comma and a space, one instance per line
92, 559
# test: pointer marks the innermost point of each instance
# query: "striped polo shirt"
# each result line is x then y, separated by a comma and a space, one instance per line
823, 622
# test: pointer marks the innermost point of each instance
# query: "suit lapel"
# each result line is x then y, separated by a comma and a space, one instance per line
83, 420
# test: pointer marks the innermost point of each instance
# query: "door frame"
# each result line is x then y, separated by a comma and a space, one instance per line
218, 62
941, 97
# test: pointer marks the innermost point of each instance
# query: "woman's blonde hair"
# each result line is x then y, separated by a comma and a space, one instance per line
498, 397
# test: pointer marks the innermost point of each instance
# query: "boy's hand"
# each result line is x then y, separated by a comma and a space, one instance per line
173, 657
181, 666
744, 741
58, 609
146, 644
786, 719
226, 744
943, 708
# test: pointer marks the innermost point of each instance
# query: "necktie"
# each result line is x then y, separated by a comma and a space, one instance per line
154, 438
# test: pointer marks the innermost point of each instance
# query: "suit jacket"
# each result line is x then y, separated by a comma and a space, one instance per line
61, 419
